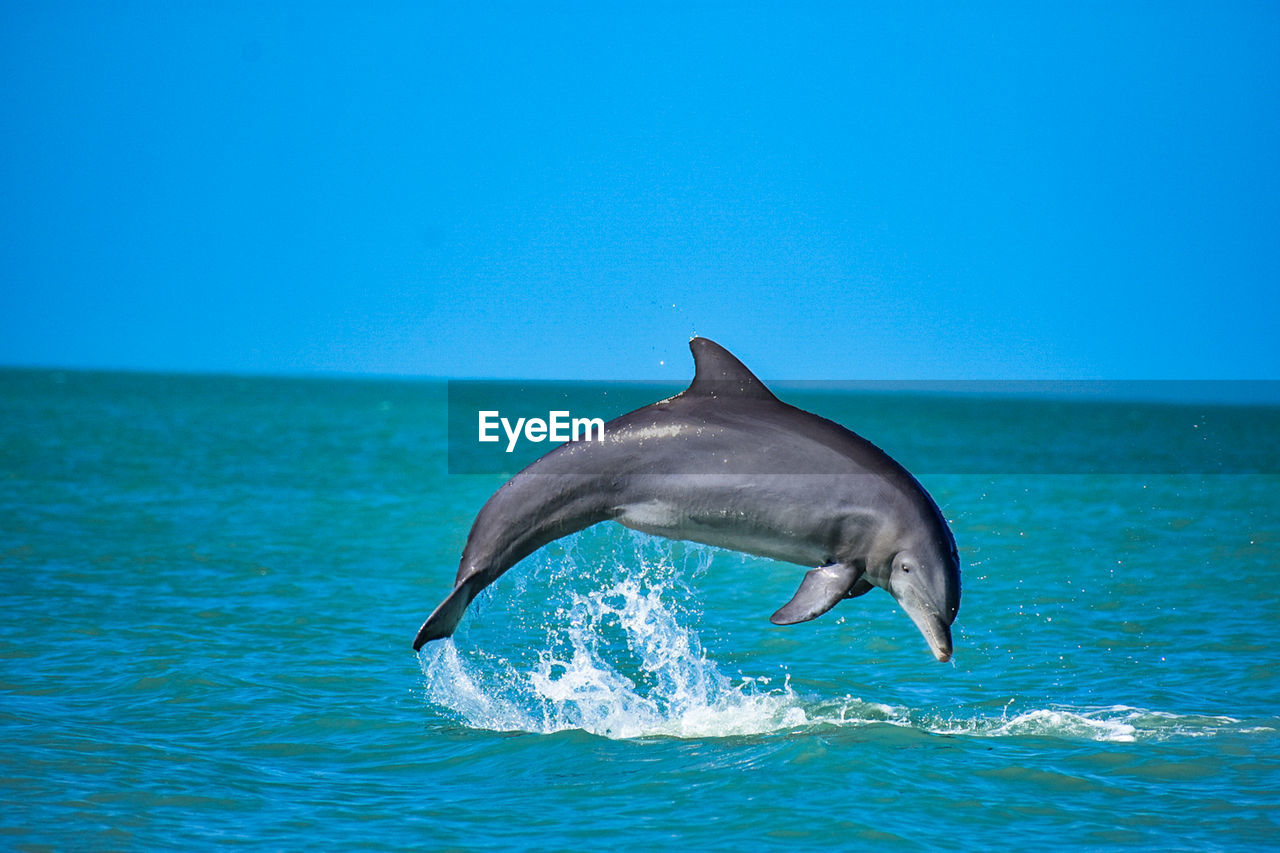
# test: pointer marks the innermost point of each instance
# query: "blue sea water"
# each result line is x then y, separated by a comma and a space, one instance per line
211, 584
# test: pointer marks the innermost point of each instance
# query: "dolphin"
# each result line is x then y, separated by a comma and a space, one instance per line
728, 464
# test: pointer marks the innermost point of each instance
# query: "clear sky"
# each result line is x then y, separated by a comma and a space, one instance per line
844, 190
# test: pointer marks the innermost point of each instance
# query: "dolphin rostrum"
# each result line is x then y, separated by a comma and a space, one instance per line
728, 464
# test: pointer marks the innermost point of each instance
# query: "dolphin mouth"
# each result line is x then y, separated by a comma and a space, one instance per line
936, 632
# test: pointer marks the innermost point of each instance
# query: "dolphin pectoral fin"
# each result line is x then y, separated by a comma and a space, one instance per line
444, 619
822, 589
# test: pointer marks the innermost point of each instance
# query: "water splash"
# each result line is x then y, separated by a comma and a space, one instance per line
1111, 724
619, 662
625, 660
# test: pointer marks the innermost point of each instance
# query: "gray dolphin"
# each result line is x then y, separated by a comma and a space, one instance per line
728, 464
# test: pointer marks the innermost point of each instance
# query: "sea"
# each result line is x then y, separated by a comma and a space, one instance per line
211, 585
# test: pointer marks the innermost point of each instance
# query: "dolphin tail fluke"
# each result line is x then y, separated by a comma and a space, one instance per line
822, 589
445, 618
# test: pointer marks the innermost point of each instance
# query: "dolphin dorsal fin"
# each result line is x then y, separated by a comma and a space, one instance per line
718, 373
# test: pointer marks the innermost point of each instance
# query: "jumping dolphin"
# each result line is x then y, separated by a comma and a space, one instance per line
728, 464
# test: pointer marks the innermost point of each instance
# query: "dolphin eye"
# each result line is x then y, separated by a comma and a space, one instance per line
906, 569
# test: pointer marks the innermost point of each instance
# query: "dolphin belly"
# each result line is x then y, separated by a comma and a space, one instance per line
717, 522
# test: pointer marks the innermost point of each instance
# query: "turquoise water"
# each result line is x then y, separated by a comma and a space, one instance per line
211, 586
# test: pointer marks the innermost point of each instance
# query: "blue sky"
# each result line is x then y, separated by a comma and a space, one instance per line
846, 191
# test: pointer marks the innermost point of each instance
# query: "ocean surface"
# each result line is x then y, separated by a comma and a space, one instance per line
211, 585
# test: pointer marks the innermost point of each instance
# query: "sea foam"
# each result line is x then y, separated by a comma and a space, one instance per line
658, 681
625, 660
